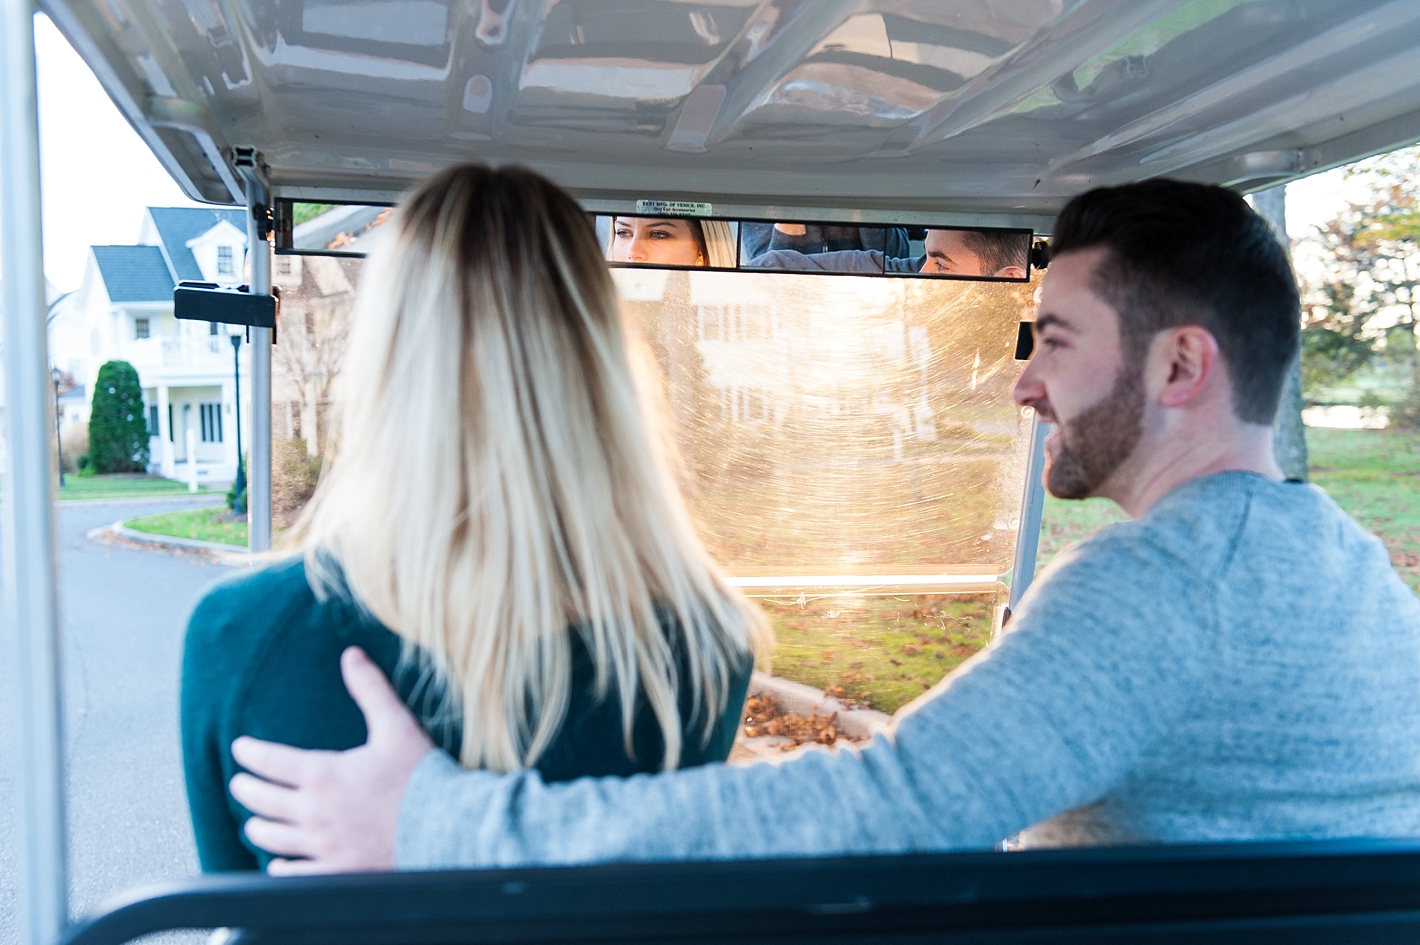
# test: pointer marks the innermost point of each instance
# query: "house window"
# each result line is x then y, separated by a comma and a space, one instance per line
211, 423
140, 328
212, 328
152, 419
224, 261
170, 424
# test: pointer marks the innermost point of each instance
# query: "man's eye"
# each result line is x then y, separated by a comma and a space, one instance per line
1050, 343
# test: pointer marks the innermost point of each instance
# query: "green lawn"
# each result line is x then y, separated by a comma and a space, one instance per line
881, 652
1372, 474
1375, 476
202, 524
120, 486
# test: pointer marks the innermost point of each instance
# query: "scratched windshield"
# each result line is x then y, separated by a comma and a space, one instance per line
852, 457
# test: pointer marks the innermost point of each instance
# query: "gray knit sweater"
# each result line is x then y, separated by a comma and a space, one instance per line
1242, 663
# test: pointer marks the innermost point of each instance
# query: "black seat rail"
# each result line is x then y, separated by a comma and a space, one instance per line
1336, 891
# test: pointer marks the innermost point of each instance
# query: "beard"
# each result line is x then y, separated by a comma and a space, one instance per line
1096, 442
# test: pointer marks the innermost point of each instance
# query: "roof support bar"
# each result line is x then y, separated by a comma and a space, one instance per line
1032, 507
253, 173
31, 619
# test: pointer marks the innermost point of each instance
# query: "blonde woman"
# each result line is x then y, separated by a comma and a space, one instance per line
497, 529
672, 241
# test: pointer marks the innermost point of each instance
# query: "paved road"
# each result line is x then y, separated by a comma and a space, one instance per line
123, 612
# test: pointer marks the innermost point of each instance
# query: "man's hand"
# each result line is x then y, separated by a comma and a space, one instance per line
334, 811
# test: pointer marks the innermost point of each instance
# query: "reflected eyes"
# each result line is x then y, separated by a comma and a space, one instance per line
653, 234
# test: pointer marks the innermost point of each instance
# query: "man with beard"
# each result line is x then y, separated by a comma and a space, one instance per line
1240, 662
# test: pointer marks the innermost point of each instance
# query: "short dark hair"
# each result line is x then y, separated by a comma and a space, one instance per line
1192, 254
997, 249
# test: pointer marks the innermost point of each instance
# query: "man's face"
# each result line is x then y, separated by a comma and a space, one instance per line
947, 255
1078, 379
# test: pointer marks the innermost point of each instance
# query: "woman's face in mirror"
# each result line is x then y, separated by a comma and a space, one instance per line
655, 240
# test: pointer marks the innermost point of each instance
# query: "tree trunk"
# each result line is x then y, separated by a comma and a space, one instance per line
310, 412
1290, 442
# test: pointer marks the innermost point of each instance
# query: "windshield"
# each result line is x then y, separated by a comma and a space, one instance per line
852, 457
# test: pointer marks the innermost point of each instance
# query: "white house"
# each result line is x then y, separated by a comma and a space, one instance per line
123, 310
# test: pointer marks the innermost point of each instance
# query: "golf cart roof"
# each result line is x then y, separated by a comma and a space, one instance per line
989, 111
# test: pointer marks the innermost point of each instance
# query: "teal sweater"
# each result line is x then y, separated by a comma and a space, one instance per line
262, 658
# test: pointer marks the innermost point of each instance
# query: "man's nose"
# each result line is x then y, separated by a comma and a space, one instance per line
1028, 387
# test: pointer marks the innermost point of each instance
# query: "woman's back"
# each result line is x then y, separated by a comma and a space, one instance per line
262, 658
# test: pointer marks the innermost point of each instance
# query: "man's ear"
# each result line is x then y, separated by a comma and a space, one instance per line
1190, 359
1011, 272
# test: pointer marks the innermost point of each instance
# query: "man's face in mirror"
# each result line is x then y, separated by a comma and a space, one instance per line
949, 253
1079, 379
657, 241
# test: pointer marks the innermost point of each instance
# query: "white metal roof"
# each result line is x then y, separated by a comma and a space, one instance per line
993, 110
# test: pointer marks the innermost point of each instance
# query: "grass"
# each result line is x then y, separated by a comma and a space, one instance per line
201, 524
1374, 475
881, 652
120, 486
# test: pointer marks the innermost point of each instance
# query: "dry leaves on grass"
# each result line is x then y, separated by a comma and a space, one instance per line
764, 716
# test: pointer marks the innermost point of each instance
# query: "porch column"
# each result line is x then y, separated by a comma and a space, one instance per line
165, 434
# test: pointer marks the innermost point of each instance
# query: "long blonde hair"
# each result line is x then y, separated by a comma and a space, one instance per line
496, 477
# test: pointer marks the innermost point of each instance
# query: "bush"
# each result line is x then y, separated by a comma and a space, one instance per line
293, 476
1406, 414
118, 430
76, 446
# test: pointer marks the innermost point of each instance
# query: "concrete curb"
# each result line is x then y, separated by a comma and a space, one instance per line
230, 555
180, 498
806, 700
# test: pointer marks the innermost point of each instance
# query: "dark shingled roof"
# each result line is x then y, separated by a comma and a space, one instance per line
177, 225
135, 273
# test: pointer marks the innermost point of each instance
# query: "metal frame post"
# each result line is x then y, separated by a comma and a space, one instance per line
253, 172
31, 613
1032, 506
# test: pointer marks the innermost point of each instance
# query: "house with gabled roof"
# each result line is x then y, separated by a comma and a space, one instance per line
123, 310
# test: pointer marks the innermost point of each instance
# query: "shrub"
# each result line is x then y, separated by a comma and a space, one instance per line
118, 430
76, 445
1406, 414
293, 476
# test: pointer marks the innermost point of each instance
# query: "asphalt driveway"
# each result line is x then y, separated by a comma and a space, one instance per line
123, 611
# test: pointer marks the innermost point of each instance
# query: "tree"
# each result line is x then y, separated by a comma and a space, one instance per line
312, 335
118, 431
1363, 307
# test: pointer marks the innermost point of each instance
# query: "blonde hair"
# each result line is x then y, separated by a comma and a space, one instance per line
721, 248
496, 477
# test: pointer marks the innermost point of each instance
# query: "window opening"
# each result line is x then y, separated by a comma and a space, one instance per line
211, 415
225, 265
140, 328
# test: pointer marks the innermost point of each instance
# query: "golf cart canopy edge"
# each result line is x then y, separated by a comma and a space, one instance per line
994, 113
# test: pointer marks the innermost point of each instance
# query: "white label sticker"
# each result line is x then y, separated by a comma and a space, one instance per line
679, 208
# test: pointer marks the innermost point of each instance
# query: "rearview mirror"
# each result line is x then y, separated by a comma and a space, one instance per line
815, 247
680, 240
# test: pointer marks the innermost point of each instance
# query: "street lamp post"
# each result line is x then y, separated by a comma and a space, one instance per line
58, 376
239, 485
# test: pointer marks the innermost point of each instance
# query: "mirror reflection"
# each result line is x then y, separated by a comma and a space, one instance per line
331, 229
936, 251
705, 243
668, 241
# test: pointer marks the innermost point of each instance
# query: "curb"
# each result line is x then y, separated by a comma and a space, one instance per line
179, 498
806, 700
230, 555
